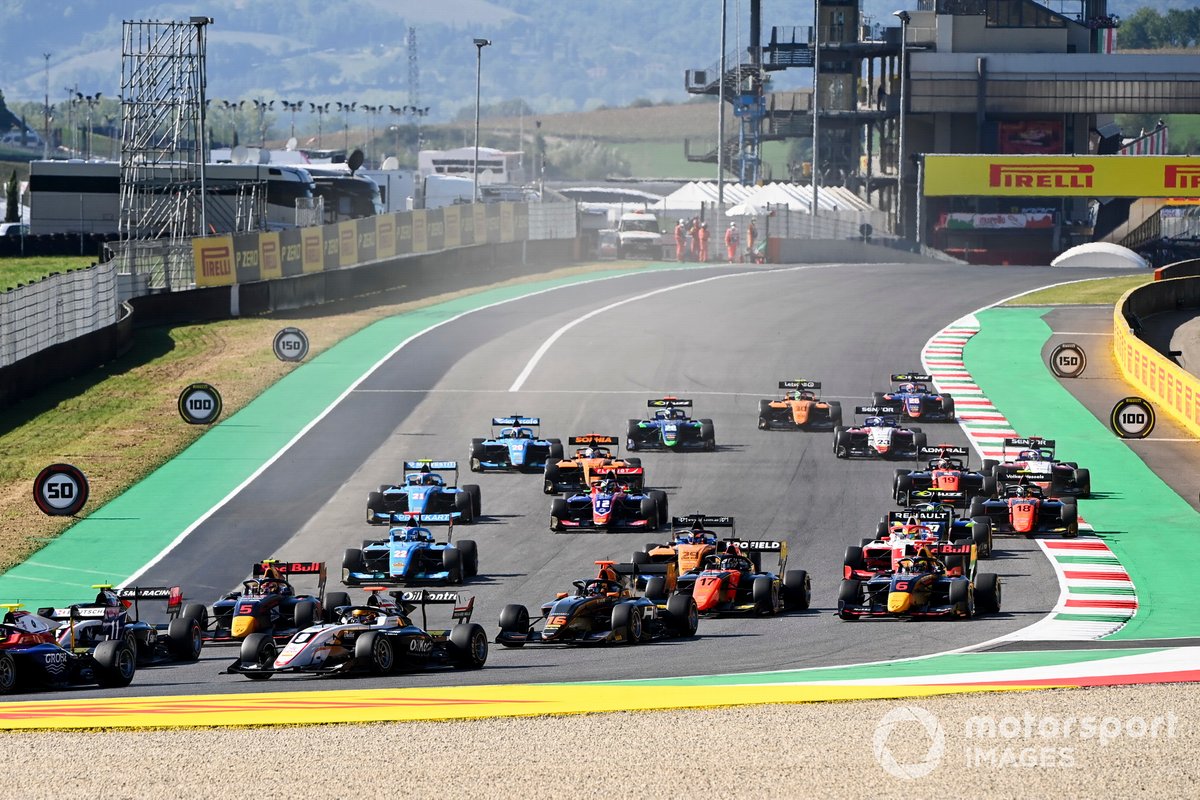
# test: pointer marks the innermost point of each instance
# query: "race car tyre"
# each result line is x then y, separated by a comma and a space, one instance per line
305, 614
374, 505
656, 588
708, 434
839, 445
462, 504
468, 645
627, 621
919, 439
556, 451
835, 412
352, 561
514, 619
683, 615
948, 406
197, 612
258, 649
962, 598
981, 535
849, 593
987, 593
854, 558
334, 601
476, 496
185, 639
633, 462
765, 594
764, 415
131, 641
989, 466
977, 508
914, 429
376, 652
469, 554
797, 590
904, 485
452, 563
476, 456
960, 563
660, 499
116, 664
989, 486
896, 477
1002, 473
877, 399
649, 512
551, 478
640, 558
1083, 482
632, 432
558, 512
8, 673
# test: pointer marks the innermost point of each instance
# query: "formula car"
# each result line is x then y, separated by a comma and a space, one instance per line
115, 615
879, 436
610, 505
596, 455
1024, 508
919, 587
943, 520
1036, 455
516, 446
425, 492
730, 582
946, 479
916, 399
410, 554
377, 637
906, 537
800, 409
268, 603
670, 429
604, 610
692, 539
30, 656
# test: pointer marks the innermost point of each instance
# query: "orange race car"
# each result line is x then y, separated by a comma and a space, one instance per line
596, 456
800, 409
691, 542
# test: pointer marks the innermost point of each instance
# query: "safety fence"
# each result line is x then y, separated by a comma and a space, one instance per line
1159, 379
55, 310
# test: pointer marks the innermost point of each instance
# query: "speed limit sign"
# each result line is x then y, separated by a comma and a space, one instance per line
200, 404
290, 345
60, 490
1068, 360
1132, 418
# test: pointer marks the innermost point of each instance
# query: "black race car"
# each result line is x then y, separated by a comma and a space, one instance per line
917, 400
946, 479
1032, 454
268, 603
611, 505
670, 429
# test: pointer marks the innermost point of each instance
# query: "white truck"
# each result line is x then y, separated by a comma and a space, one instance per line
639, 235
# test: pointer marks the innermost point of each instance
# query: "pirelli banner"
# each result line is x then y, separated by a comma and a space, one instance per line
1061, 176
249, 257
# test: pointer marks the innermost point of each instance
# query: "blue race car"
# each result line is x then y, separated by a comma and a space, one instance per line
916, 399
670, 429
409, 555
31, 656
611, 505
425, 492
516, 447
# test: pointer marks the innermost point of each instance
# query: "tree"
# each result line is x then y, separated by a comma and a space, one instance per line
12, 212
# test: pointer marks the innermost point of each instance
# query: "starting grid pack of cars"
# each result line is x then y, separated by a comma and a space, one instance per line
923, 560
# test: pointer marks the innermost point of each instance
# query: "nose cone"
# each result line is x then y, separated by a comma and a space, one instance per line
243, 627
899, 602
707, 593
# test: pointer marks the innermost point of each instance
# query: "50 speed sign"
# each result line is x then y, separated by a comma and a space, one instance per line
60, 490
200, 404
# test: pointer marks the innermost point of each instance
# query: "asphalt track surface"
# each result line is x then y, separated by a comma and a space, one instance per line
725, 343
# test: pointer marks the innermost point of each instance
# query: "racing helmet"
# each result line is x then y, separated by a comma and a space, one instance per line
908, 387
1029, 455
364, 616
412, 535
429, 479
943, 463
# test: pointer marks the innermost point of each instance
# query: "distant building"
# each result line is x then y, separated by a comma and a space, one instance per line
495, 166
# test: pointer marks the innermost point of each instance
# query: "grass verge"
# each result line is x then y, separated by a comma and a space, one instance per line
1100, 291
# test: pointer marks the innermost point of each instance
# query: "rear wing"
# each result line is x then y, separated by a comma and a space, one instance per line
1028, 476
173, 595
754, 546
669, 402
1028, 441
914, 377
703, 520
877, 411
946, 450
800, 385
592, 438
430, 464
669, 570
943, 549
922, 517
618, 471
411, 599
289, 568
517, 420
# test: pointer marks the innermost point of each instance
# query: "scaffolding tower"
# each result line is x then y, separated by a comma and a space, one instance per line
163, 147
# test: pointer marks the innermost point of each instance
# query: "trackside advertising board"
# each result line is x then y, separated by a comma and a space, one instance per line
1061, 176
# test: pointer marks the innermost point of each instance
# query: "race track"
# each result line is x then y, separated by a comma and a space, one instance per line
725, 342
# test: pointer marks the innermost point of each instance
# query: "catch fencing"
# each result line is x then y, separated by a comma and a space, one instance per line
55, 310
